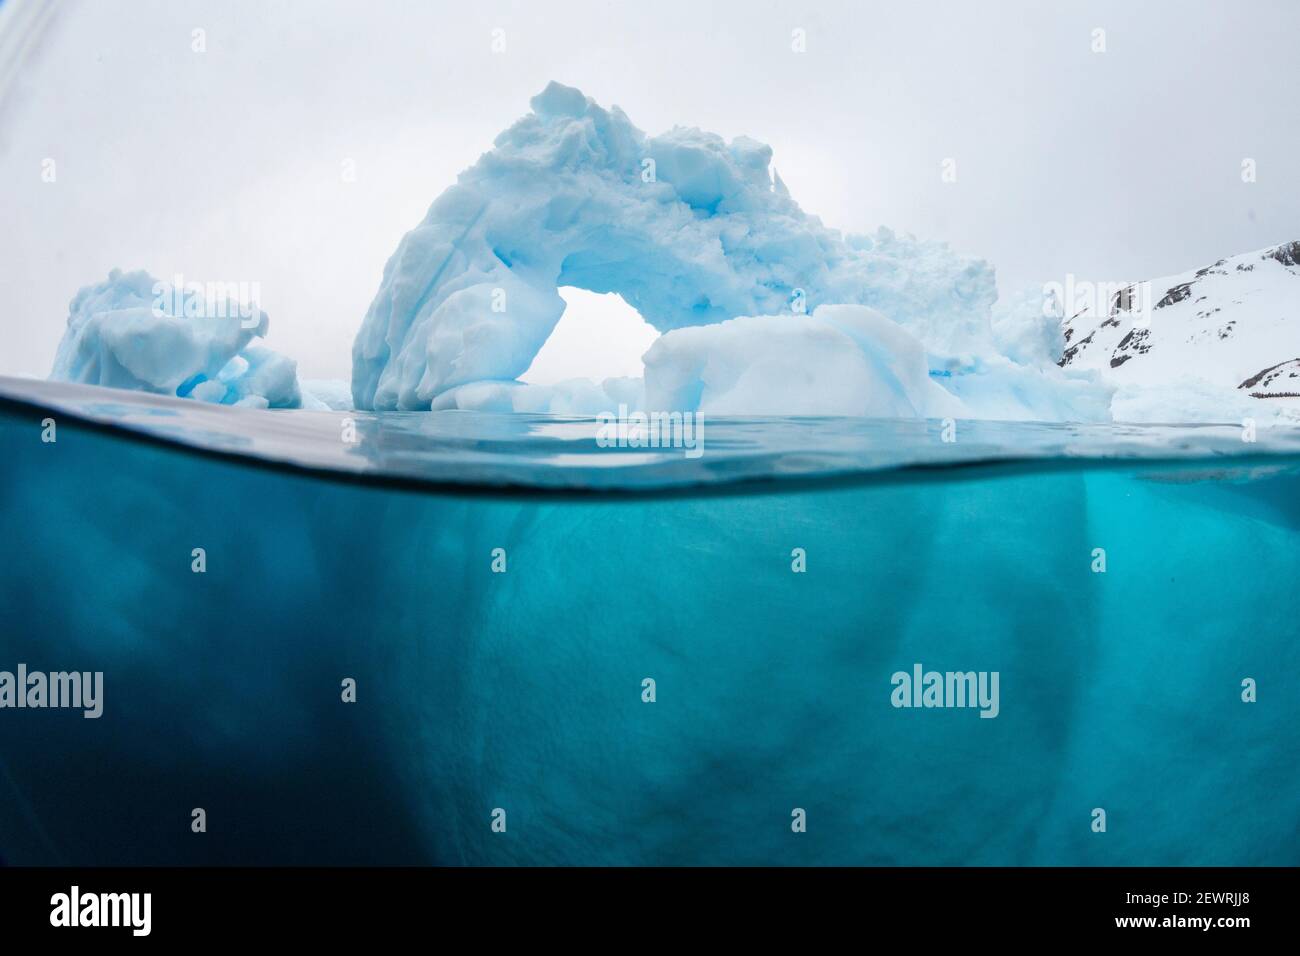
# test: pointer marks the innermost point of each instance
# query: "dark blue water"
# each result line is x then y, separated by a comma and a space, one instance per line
523, 691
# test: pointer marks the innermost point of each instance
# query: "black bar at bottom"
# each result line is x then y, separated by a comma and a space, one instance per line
333, 905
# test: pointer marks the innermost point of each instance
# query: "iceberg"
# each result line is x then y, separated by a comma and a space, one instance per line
694, 232
135, 332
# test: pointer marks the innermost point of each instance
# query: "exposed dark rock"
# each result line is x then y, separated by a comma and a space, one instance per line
1290, 369
1073, 350
1175, 295
1288, 253
1135, 343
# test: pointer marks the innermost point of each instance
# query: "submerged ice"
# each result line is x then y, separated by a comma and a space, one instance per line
776, 687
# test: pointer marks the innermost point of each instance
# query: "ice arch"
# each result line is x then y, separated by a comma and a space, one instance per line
687, 228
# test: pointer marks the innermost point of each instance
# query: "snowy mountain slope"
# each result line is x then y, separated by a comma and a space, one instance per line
1234, 324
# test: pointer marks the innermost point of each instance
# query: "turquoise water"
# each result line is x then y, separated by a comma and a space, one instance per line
523, 690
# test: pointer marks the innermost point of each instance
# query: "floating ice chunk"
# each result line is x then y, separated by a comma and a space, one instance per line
258, 375
322, 394
624, 390
125, 333
994, 387
579, 397
841, 360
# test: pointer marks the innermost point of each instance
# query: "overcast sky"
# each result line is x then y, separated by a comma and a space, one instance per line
226, 164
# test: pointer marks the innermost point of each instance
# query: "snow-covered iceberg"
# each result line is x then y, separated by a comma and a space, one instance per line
692, 231
135, 332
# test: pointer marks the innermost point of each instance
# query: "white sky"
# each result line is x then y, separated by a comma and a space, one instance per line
225, 165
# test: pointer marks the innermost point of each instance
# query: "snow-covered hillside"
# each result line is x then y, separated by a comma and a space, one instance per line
1234, 324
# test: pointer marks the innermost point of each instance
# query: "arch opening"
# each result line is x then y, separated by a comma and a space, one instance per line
598, 336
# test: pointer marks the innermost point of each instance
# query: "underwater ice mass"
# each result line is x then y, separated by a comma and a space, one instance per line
762, 308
